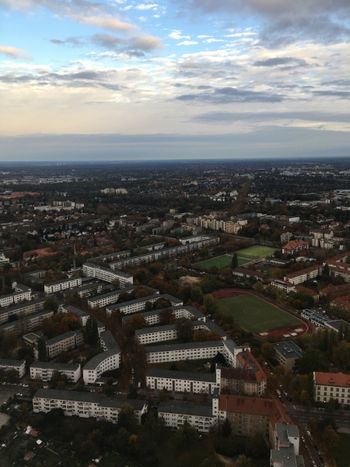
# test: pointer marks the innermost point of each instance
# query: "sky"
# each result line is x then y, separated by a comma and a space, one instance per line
174, 79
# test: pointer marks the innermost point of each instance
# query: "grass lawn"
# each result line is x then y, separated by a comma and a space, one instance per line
343, 451
219, 262
256, 251
255, 315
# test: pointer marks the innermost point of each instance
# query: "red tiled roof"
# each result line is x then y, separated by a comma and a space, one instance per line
304, 271
295, 244
332, 379
270, 408
248, 361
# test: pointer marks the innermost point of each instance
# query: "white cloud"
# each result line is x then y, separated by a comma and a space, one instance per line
12, 52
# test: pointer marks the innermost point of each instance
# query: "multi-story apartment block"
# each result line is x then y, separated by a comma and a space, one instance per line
108, 342
335, 386
307, 274
287, 353
250, 415
63, 342
20, 310
61, 285
150, 335
286, 441
19, 366
212, 223
26, 324
44, 371
176, 413
193, 351
140, 304
20, 294
322, 320
338, 267
81, 314
181, 381
295, 246
102, 362
153, 317
102, 300
85, 404
106, 274
188, 244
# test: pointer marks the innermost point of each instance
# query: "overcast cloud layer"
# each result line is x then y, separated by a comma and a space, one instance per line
174, 78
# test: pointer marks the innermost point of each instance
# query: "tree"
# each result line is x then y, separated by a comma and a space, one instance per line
51, 304
243, 461
184, 329
197, 295
41, 346
91, 332
210, 304
234, 262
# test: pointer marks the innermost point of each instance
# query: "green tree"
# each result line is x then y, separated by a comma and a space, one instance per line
91, 332
184, 329
234, 262
42, 354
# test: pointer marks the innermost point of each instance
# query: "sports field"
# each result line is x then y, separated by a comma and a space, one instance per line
256, 315
245, 255
219, 262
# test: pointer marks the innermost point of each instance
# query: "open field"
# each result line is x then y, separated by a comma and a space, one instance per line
245, 255
256, 315
219, 262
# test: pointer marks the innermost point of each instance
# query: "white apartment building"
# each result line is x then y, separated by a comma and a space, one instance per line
19, 366
176, 413
335, 386
150, 335
108, 342
85, 404
153, 317
64, 284
106, 274
193, 351
20, 294
102, 300
101, 363
26, 324
44, 371
66, 341
304, 275
139, 304
21, 309
181, 381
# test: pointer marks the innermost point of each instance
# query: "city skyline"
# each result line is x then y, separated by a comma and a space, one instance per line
175, 79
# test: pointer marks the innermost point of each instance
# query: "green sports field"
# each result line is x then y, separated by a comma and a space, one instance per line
255, 315
245, 255
219, 262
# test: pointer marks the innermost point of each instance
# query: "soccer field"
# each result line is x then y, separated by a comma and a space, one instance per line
245, 255
219, 262
254, 314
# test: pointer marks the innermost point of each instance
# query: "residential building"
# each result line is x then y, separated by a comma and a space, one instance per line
140, 304
100, 364
81, 314
176, 413
20, 310
59, 286
44, 371
181, 381
287, 353
294, 246
102, 300
285, 451
107, 274
20, 294
26, 324
153, 317
332, 386
19, 366
304, 275
85, 404
63, 342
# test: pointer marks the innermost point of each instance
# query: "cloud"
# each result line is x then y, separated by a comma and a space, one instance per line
187, 43
104, 22
234, 117
278, 61
72, 41
285, 21
12, 52
135, 46
228, 95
